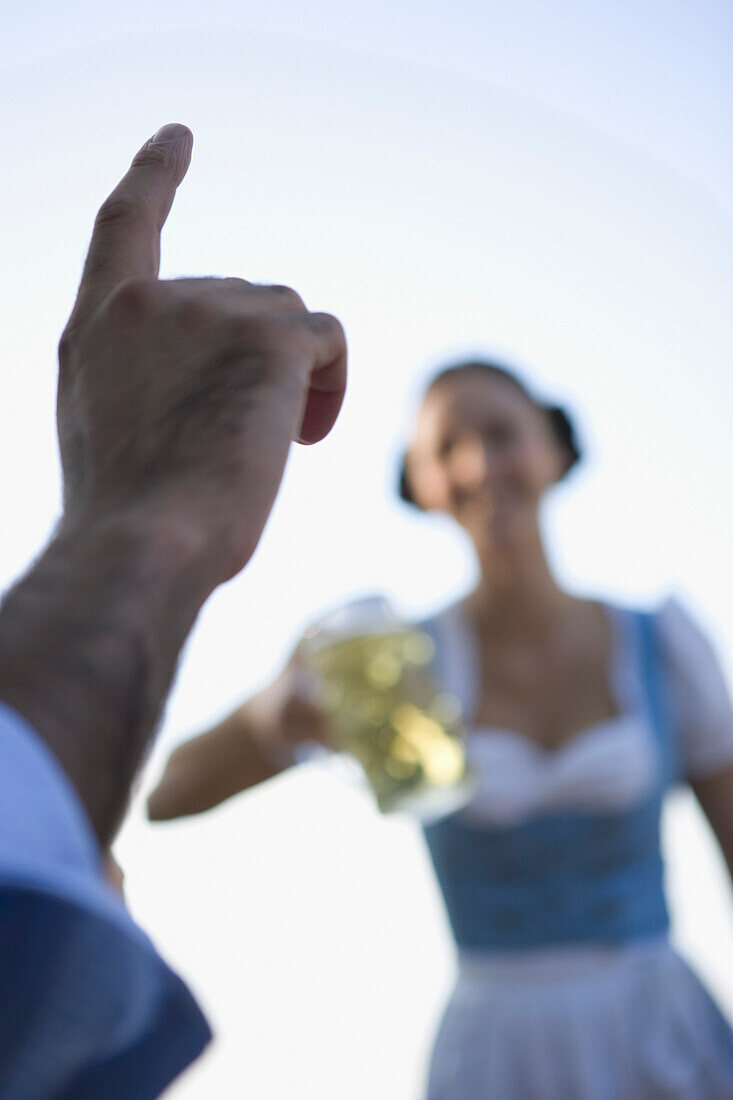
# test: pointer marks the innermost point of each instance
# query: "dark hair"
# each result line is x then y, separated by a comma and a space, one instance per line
560, 421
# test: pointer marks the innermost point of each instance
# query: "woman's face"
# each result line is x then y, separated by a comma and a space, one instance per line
485, 454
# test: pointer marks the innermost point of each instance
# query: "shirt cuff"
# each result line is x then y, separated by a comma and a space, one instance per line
90, 1008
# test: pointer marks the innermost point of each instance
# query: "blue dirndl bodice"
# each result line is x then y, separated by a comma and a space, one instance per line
564, 877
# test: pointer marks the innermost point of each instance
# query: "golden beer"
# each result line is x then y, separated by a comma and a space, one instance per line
384, 708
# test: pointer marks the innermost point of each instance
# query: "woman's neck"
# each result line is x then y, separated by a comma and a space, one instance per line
517, 593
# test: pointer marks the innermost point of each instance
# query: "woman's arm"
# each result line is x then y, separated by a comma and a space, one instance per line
715, 795
209, 768
256, 742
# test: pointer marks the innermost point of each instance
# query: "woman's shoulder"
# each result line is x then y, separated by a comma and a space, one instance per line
685, 639
697, 685
695, 682
675, 624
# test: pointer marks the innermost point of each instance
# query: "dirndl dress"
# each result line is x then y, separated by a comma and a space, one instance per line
580, 996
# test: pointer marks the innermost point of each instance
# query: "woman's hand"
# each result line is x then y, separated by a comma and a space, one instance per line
256, 742
286, 714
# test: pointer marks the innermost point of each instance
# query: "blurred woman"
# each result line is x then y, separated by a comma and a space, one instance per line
581, 715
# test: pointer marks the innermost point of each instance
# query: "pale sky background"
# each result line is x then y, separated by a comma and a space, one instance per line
546, 179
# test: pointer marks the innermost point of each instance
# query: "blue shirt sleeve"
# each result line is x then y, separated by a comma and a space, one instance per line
88, 1009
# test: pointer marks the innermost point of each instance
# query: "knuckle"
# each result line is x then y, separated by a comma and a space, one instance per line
233, 282
134, 297
289, 297
327, 323
152, 156
120, 209
286, 341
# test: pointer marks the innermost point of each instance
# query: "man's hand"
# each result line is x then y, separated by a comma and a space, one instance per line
177, 404
180, 398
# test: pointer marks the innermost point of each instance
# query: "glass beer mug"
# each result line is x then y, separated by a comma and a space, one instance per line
375, 683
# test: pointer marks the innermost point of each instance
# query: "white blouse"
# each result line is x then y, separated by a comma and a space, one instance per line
612, 764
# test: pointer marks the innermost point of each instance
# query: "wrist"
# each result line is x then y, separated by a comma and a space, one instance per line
274, 751
187, 531
156, 544
89, 643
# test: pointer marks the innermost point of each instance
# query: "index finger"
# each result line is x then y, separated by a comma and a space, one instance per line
126, 237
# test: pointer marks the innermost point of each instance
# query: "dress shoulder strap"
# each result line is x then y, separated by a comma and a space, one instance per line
656, 693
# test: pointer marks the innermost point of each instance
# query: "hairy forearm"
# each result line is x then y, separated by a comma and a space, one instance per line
89, 642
